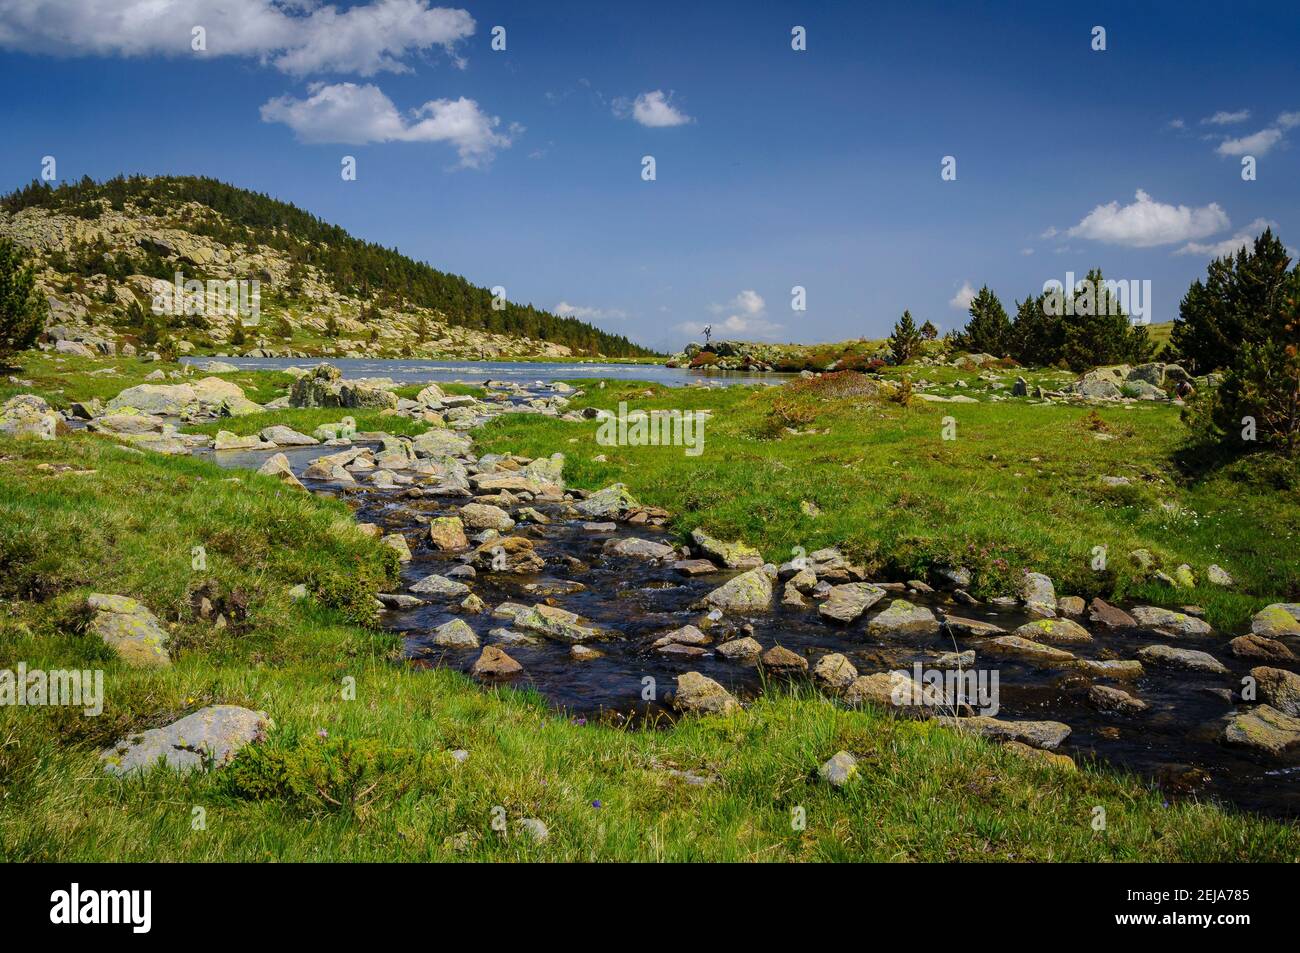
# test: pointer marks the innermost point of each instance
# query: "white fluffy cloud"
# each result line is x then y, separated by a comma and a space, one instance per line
652, 109
300, 38
566, 310
1229, 246
1222, 118
1255, 144
745, 314
355, 115
962, 299
1145, 223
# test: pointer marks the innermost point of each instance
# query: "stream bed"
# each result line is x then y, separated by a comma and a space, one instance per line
1175, 741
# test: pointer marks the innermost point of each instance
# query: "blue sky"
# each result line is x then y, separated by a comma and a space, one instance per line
774, 168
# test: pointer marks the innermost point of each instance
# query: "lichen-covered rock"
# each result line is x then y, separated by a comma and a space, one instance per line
1038, 593
1279, 688
397, 542
902, 618
839, 770
1016, 646
1054, 632
848, 601
971, 628
1051, 758
731, 555
613, 502
440, 587
749, 592
1264, 730
447, 534
638, 549
1122, 669
207, 739
1260, 647
27, 415
486, 516
1166, 656
835, 671
166, 400
782, 661
699, 694
744, 649
278, 467
1279, 620
556, 623
1106, 698
283, 436
130, 628
455, 634
1170, 622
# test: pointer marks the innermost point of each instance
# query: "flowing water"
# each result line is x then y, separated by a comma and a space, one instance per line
1174, 742
518, 372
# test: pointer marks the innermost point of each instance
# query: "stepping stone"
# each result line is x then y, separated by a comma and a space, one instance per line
848, 601
1166, 656
1014, 645
835, 671
782, 660
744, 649
1264, 730
904, 619
699, 694
455, 635
494, 663
694, 567
1170, 623
1054, 632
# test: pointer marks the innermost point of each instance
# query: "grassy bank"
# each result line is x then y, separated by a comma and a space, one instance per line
373, 778
1020, 486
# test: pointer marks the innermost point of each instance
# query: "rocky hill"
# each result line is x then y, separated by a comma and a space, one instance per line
264, 278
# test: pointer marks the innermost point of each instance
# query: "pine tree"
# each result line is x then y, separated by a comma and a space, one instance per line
1098, 332
1036, 336
22, 308
1237, 300
928, 331
989, 328
906, 339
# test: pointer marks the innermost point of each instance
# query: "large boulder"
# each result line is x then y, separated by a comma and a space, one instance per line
324, 386
165, 400
207, 739
27, 415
